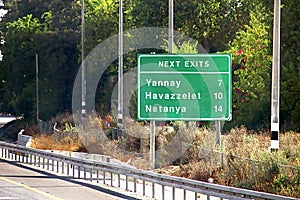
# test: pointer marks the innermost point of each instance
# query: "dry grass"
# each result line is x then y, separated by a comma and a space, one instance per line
247, 161
48, 142
242, 159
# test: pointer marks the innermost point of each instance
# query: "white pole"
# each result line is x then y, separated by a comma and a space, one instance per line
83, 72
152, 144
37, 87
218, 132
120, 73
170, 49
171, 26
275, 78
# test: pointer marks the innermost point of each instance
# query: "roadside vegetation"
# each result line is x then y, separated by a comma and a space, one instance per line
242, 160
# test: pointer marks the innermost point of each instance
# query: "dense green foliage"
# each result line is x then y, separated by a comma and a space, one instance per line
52, 31
251, 68
36, 28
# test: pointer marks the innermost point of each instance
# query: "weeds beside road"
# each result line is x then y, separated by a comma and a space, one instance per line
242, 160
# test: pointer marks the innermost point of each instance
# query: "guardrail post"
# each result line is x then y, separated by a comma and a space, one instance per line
126, 181
111, 179
68, 170
27, 158
23, 155
104, 177
163, 192
134, 185
173, 193
153, 189
78, 171
48, 164
30, 159
184, 194
119, 180
144, 188
63, 167
52, 162
57, 166
97, 173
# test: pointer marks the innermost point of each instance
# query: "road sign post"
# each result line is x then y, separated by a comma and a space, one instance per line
1, 56
184, 87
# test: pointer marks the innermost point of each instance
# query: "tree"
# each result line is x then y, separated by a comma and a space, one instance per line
55, 39
101, 22
290, 65
251, 71
212, 23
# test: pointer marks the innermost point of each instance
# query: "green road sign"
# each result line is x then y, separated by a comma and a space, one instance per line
184, 87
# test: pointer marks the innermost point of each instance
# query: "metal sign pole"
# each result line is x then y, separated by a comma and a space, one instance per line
171, 26
218, 132
83, 72
152, 144
170, 49
1, 56
275, 78
37, 87
120, 73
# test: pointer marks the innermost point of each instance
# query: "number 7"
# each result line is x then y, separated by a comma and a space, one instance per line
220, 82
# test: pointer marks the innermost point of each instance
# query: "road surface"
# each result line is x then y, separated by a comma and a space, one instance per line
24, 182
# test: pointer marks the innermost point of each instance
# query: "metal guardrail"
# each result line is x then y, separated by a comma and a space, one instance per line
148, 181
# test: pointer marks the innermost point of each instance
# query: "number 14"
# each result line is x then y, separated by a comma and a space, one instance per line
218, 108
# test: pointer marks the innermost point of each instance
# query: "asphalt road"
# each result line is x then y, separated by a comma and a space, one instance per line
23, 182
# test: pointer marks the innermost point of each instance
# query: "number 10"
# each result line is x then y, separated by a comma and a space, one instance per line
218, 95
